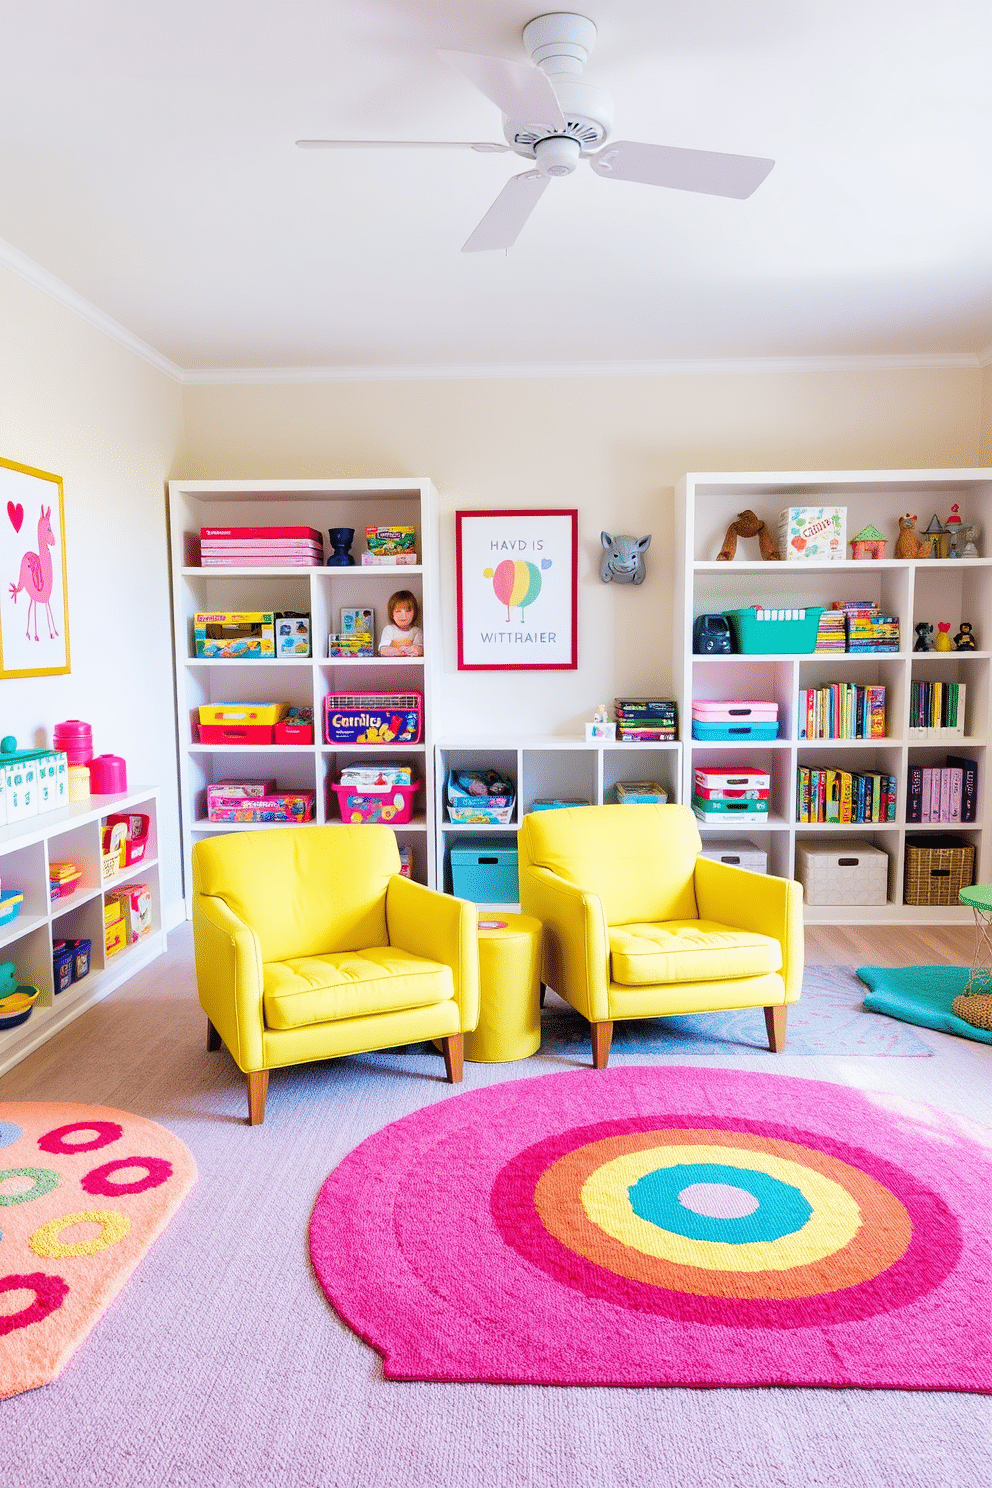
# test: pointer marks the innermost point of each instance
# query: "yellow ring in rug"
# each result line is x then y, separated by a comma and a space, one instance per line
881, 1242
45, 1240
834, 1222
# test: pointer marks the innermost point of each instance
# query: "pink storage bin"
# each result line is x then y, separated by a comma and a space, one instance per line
137, 835
735, 710
725, 780
392, 804
108, 775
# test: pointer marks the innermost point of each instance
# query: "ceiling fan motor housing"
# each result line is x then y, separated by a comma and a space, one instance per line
560, 44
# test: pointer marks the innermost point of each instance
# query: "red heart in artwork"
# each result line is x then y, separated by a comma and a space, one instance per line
16, 515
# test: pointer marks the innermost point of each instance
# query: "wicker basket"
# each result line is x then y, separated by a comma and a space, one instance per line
937, 868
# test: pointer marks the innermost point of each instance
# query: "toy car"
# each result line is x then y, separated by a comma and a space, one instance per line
711, 635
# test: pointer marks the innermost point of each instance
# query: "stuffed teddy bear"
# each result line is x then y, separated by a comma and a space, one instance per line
748, 525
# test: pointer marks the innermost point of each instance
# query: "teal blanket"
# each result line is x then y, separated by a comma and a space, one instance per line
921, 995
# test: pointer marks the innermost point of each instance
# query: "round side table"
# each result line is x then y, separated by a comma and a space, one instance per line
509, 989
979, 898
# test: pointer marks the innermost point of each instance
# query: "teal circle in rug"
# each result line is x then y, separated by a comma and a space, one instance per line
780, 1208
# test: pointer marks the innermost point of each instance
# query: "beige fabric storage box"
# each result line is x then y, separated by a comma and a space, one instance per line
842, 871
738, 852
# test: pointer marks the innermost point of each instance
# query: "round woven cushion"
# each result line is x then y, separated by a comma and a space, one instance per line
976, 1009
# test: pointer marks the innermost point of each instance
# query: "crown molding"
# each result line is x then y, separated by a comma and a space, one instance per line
26, 268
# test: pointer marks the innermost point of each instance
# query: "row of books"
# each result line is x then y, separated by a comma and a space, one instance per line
937, 706
261, 547
856, 625
828, 795
842, 710
942, 793
646, 720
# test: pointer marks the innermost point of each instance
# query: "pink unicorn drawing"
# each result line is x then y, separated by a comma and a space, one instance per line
35, 577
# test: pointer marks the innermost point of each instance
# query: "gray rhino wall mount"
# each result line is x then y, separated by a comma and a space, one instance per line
623, 559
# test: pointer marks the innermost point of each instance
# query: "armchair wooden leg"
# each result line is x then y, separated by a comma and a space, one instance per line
258, 1085
213, 1038
775, 1018
602, 1036
453, 1050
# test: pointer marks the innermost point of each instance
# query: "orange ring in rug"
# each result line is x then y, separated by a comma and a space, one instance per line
45, 1240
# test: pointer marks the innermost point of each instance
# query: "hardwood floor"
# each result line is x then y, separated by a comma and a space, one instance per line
889, 945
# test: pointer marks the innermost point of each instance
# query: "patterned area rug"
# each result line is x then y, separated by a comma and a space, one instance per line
666, 1226
84, 1191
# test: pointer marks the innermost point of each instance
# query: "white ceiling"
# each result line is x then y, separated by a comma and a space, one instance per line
147, 162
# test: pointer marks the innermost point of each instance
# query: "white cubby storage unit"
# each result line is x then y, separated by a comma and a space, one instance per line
321, 592
566, 768
71, 834
929, 589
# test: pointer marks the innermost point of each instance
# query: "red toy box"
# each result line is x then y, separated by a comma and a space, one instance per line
237, 733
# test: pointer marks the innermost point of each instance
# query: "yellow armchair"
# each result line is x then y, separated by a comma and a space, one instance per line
637, 925
309, 945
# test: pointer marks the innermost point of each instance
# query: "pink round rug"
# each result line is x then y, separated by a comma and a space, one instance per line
666, 1226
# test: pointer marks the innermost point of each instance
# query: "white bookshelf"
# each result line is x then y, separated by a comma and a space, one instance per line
72, 834
320, 592
917, 589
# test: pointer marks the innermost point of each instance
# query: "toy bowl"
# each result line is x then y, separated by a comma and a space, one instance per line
17, 1006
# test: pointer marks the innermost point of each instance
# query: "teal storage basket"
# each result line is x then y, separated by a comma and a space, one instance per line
773, 637
485, 871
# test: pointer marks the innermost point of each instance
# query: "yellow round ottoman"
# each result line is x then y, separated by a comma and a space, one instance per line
509, 989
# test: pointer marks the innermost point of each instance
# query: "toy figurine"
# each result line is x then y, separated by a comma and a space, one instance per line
964, 640
953, 525
402, 636
748, 524
943, 641
924, 630
940, 538
969, 532
909, 545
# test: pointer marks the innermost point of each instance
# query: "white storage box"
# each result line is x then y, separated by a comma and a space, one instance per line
815, 534
736, 852
842, 872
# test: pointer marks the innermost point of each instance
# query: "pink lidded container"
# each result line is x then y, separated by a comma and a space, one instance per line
74, 739
108, 775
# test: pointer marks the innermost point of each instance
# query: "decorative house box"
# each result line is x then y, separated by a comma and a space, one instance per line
815, 534
842, 872
736, 852
484, 873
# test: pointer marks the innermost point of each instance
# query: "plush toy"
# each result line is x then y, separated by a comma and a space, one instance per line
748, 525
924, 630
943, 640
964, 640
909, 545
623, 560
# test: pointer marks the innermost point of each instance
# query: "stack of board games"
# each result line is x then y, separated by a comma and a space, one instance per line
647, 720
261, 547
720, 793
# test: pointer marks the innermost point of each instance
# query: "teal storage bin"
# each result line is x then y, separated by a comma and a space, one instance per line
734, 732
485, 872
773, 637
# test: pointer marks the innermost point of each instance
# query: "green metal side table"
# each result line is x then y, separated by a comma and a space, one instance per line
979, 898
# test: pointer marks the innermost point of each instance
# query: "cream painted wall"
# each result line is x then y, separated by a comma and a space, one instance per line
611, 447
985, 438
77, 404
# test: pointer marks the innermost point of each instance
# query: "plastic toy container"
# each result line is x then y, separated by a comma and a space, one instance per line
640, 793
735, 710
392, 804
722, 811
17, 1007
243, 713
108, 775
373, 717
771, 632
63, 879
137, 835
728, 732
484, 873
707, 779
10, 906
236, 733
75, 740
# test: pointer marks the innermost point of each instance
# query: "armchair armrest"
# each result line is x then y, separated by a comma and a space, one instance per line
440, 928
576, 943
229, 978
760, 903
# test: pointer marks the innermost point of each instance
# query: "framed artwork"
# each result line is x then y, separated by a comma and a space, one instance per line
516, 574
34, 611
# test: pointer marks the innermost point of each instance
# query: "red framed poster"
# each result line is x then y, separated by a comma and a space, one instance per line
516, 574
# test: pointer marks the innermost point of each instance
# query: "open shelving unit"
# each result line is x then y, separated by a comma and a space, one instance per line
321, 592
914, 589
71, 834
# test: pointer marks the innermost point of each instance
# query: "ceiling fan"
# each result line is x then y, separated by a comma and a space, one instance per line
554, 117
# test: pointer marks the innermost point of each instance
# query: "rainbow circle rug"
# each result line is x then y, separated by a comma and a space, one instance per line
84, 1192
666, 1226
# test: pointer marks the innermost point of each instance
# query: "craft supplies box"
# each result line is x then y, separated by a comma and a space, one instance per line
846, 871
484, 873
736, 852
774, 632
373, 717
937, 867
389, 542
290, 806
640, 793
814, 534
386, 803
241, 633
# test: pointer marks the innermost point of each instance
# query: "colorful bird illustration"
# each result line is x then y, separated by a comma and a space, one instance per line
516, 583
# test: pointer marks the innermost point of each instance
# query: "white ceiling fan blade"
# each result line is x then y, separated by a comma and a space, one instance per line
521, 90
708, 171
485, 147
501, 225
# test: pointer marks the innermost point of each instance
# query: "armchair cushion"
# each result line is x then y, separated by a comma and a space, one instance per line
645, 955
302, 991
